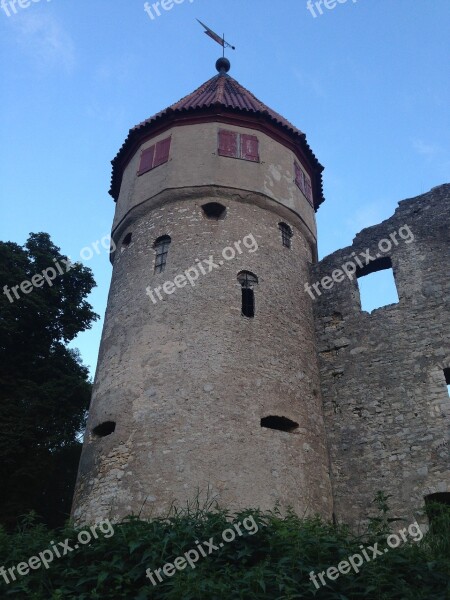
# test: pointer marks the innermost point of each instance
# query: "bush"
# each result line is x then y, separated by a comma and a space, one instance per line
272, 559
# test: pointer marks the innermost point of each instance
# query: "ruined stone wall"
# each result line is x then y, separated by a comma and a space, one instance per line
386, 406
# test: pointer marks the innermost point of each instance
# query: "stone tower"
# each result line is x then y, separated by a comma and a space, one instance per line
207, 382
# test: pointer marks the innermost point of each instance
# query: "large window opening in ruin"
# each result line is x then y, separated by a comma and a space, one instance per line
248, 281
279, 423
447, 379
376, 284
104, 429
436, 504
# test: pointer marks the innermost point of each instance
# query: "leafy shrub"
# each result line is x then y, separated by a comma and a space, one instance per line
274, 563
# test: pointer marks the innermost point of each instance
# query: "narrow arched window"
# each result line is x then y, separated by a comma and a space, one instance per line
161, 246
248, 281
286, 234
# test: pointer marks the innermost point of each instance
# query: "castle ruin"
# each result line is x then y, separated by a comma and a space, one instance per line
219, 375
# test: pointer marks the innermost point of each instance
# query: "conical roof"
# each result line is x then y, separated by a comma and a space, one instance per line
223, 91
219, 96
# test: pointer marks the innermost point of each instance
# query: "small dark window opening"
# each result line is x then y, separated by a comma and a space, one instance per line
161, 246
248, 281
104, 429
248, 303
437, 505
379, 290
286, 234
126, 241
279, 423
214, 210
447, 379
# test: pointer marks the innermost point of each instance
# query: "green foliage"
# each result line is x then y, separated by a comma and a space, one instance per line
44, 388
274, 563
381, 524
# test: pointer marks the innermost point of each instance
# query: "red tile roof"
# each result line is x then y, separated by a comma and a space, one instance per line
221, 93
225, 91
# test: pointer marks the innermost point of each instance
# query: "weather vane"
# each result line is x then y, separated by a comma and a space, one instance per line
216, 37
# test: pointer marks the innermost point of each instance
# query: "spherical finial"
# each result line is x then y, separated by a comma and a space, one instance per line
223, 65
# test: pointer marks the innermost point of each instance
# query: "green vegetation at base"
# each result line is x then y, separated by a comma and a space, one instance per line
273, 563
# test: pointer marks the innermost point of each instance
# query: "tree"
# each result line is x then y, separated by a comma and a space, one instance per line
44, 387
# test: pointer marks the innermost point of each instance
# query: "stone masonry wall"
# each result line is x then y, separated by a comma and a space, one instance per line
386, 406
187, 380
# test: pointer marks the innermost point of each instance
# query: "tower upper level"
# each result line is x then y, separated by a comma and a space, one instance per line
192, 143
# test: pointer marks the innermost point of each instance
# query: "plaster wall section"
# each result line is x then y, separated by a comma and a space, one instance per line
194, 162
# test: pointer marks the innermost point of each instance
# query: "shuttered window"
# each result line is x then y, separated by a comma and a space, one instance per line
303, 181
162, 152
249, 147
308, 190
228, 143
147, 160
154, 156
299, 177
237, 145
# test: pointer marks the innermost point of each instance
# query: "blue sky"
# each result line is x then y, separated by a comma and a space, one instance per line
367, 81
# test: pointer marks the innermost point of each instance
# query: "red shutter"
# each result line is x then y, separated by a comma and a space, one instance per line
308, 190
162, 152
228, 143
146, 160
299, 177
249, 147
